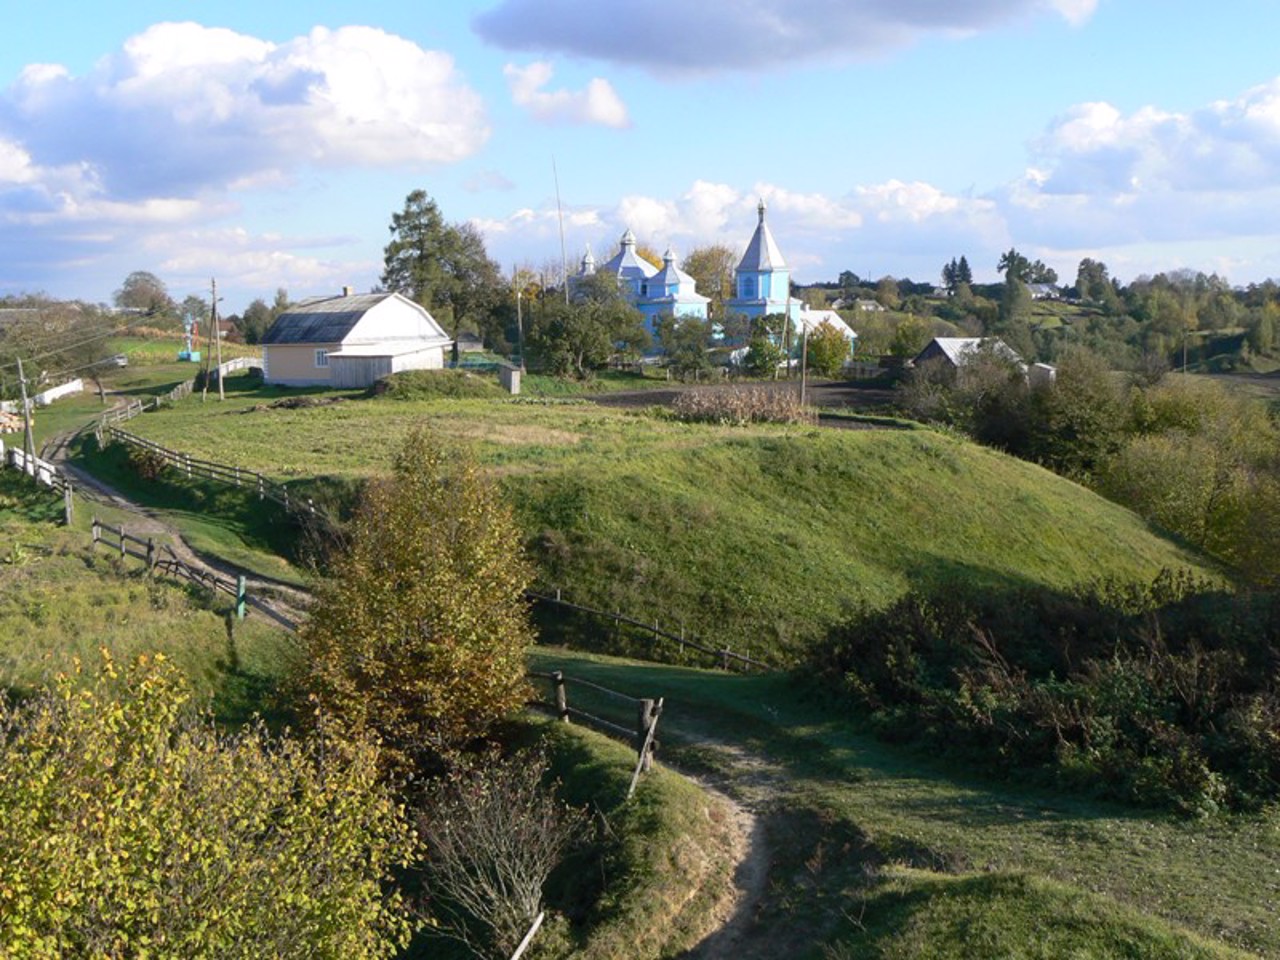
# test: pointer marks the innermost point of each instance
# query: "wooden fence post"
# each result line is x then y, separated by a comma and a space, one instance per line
562, 701
644, 721
650, 710
97, 532
122, 541
151, 554
241, 596
68, 503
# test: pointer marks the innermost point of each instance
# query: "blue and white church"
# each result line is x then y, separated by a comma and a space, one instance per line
669, 292
762, 279
762, 284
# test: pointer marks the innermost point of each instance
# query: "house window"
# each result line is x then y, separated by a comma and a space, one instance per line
322, 358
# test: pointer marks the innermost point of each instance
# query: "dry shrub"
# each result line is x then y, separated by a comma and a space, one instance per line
742, 406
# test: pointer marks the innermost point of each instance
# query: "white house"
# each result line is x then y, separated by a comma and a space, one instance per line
351, 340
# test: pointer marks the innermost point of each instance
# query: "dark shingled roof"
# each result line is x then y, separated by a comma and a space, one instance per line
322, 320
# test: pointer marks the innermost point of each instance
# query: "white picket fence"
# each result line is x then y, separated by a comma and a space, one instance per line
46, 397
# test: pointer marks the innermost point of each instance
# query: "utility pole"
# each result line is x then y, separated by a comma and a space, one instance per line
520, 326
28, 438
804, 362
786, 335
217, 333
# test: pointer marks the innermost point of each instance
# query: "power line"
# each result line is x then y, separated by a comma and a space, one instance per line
114, 331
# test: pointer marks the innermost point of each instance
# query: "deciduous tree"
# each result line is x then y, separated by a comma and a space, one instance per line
419, 635
576, 339
145, 292
827, 350
712, 270
128, 829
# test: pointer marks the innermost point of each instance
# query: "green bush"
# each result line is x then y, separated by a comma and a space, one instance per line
1167, 696
129, 831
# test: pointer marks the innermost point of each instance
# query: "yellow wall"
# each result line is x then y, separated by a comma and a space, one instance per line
295, 364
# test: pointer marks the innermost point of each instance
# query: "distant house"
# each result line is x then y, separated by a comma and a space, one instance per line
810, 320
351, 341
955, 352
469, 342
1043, 291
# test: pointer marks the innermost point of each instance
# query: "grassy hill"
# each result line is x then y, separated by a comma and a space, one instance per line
757, 536
877, 850
60, 602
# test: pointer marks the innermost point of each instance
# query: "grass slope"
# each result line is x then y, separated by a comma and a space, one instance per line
883, 851
59, 602
757, 536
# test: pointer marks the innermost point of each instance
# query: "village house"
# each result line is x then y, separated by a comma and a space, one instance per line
351, 340
955, 352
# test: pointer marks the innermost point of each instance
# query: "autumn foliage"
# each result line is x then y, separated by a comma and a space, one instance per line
419, 636
129, 828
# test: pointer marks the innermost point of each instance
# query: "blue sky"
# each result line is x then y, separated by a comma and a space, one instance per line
268, 144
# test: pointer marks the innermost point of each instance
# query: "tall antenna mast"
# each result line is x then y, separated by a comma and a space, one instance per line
564, 257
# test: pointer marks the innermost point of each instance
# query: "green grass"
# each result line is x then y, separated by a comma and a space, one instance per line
605, 381
164, 350
898, 840
918, 915
663, 853
758, 536
60, 602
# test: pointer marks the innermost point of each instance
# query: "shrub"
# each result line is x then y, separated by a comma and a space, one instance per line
126, 830
419, 634
742, 406
495, 833
1166, 696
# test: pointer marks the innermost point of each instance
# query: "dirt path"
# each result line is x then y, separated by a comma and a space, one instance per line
753, 793
285, 600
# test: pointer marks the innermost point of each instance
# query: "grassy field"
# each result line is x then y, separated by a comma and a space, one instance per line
59, 601
882, 851
757, 536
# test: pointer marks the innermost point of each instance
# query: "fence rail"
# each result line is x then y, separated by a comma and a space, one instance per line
231, 475
723, 657
640, 734
148, 552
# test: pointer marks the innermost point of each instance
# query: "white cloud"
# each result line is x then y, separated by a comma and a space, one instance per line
184, 108
894, 227
246, 261
597, 103
732, 35
1075, 12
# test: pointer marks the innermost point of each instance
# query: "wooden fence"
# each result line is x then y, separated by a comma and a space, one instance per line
645, 713
126, 544
724, 657
135, 407
192, 467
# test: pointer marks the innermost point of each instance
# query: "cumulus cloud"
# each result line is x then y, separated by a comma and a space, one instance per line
260, 262
1101, 175
161, 136
597, 103
183, 108
727, 34
893, 227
